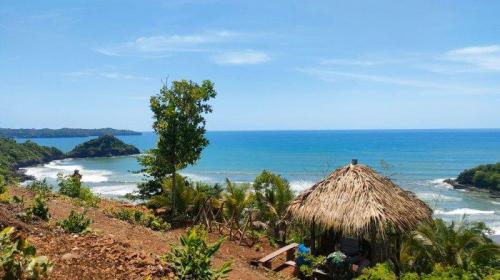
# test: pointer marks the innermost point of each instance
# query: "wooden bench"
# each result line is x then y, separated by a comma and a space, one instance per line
290, 256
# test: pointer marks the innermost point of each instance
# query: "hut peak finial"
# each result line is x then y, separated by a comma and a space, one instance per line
354, 161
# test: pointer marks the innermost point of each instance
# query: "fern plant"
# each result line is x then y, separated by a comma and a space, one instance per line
193, 258
18, 257
75, 223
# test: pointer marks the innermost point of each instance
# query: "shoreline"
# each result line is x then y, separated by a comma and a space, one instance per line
458, 186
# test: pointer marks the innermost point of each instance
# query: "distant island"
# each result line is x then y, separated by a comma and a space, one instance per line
485, 177
103, 146
15, 155
62, 132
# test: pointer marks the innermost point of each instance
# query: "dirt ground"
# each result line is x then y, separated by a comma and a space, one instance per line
116, 249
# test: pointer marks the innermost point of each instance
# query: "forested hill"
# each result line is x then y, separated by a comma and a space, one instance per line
104, 146
14, 155
486, 176
62, 132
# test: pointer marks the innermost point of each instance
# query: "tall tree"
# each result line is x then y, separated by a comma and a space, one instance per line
179, 122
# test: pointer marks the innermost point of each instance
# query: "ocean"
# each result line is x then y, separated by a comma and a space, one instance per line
417, 160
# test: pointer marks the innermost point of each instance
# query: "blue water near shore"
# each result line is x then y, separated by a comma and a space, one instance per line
419, 160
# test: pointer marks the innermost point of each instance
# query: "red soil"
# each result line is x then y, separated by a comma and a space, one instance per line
116, 249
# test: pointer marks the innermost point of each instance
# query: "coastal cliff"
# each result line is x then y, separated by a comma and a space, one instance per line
15, 155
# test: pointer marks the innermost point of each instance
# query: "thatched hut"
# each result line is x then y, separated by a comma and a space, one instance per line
358, 202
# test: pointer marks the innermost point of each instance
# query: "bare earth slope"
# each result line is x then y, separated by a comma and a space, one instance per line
115, 249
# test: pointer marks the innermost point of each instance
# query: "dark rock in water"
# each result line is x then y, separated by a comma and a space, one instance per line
103, 146
457, 186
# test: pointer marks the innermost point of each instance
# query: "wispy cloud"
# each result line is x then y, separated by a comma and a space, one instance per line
241, 57
358, 62
171, 43
333, 76
105, 74
484, 57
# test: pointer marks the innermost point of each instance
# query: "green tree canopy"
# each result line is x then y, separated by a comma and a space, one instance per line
179, 121
272, 195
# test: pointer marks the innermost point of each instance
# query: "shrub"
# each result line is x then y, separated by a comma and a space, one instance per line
40, 187
381, 271
69, 185
456, 244
144, 218
309, 264
40, 208
18, 257
3, 185
192, 259
72, 186
88, 197
75, 223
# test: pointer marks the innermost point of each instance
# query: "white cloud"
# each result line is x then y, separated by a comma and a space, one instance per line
171, 43
357, 62
476, 50
333, 76
105, 74
486, 58
241, 57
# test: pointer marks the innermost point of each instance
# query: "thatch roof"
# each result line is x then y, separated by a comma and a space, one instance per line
357, 201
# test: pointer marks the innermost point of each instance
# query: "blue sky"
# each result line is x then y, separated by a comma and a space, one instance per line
275, 64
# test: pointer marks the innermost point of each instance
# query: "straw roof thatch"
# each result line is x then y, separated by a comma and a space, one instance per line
357, 201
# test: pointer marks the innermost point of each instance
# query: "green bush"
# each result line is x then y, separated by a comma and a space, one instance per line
193, 258
457, 244
88, 197
40, 187
144, 218
381, 271
72, 186
40, 208
18, 257
75, 223
3, 184
69, 185
311, 263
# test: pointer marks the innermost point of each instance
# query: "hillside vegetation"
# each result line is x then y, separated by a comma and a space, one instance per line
486, 176
14, 155
63, 132
103, 146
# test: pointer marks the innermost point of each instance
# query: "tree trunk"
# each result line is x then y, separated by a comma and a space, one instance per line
174, 192
313, 238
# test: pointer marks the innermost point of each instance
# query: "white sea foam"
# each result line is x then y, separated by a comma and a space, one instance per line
115, 190
463, 211
300, 185
429, 196
51, 169
196, 177
440, 183
495, 202
495, 227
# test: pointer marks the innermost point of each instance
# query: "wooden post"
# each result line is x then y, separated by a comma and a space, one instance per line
397, 256
374, 248
313, 237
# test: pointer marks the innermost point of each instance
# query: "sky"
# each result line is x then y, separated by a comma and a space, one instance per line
276, 65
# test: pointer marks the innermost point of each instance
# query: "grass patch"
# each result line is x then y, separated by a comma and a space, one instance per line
140, 217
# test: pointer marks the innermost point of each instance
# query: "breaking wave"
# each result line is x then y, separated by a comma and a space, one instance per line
464, 211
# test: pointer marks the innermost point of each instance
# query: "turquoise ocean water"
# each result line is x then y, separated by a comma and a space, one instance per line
419, 160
